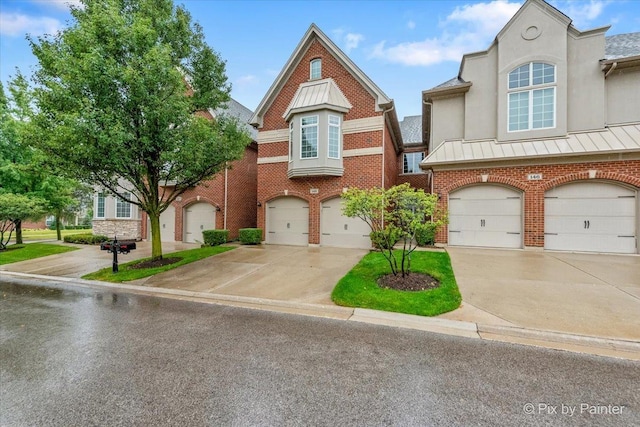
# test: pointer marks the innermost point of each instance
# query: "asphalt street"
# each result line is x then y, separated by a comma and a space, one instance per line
75, 356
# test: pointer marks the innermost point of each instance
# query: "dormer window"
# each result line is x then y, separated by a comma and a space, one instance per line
315, 69
532, 97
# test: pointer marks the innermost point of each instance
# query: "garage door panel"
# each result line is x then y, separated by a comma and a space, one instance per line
485, 215
168, 225
591, 217
288, 222
197, 218
341, 231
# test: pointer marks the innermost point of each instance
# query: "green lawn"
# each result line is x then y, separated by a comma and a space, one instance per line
359, 288
15, 253
126, 273
31, 235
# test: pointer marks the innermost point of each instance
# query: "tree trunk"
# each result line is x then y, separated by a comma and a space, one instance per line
58, 232
18, 228
156, 244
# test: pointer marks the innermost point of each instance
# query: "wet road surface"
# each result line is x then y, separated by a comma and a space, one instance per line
74, 356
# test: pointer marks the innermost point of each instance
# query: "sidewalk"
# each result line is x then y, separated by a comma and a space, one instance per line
267, 278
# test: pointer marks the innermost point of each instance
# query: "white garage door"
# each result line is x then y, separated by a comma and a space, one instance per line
198, 217
590, 217
485, 215
341, 231
168, 224
287, 222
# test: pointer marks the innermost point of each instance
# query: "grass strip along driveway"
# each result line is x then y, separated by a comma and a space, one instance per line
128, 272
16, 253
359, 287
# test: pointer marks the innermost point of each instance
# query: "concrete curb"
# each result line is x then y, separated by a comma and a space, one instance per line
540, 338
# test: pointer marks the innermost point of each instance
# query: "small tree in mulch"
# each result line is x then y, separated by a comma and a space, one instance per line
394, 215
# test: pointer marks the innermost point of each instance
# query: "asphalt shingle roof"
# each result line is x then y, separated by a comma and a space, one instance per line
240, 112
411, 130
622, 46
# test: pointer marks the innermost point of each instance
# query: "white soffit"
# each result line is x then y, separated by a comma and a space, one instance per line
615, 139
317, 94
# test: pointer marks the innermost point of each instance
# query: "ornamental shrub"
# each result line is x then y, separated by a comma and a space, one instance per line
426, 233
215, 237
86, 239
250, 236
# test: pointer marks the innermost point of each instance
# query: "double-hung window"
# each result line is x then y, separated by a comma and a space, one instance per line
412, 162
334, 137
532, 97
123, 209
100, 206
309, 137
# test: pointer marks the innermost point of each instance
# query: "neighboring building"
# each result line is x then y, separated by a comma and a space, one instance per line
228, 201
415, 150
536, 142
324, 126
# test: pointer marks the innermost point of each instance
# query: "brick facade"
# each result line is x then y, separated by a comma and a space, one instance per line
364, 171
553, 175
241, 197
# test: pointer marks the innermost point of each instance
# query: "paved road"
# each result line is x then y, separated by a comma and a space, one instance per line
72, 356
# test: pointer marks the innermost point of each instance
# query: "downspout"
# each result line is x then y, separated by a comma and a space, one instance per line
226, 187
613, 67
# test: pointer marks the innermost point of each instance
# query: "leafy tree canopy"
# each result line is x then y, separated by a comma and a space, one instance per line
120, 95
15, 208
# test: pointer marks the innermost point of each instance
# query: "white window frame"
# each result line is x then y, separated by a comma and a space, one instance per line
120, 204
291, 141
318, 69
317, 126
531, 89
329, 126
101, 196
404, 161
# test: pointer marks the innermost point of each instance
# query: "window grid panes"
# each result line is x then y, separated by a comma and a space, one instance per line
316, 69
412, 162
291, 141
334, 137
100, 206
309, 137
123, 209
533, 108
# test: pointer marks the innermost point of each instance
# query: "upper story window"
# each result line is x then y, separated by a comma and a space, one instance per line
100, 206
334, 137
291, 141
532, 97
309, 137
123, 209
412, 162
315, 69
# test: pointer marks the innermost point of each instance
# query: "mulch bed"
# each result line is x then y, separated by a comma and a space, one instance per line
410, 282
156, 263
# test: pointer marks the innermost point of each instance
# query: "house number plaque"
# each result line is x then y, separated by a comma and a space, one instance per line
534, 176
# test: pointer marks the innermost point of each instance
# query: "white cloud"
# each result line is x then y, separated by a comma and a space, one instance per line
15, 24
582, 12
61, 4
247, 80
467, 29
411, 25
352, 40
348, 40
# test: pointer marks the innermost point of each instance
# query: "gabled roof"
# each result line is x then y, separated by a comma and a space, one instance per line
233, 108
411, 130
317, 94
614, 139
314, 33
622, 46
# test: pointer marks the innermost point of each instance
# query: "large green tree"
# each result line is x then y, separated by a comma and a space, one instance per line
15, 208
118, 94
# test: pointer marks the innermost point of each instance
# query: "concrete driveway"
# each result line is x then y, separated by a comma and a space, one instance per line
289, 273
586, 294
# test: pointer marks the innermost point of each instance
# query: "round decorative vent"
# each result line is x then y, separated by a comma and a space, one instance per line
531, 33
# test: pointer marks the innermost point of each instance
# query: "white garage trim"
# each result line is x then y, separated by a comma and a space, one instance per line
339, 230
287, 221
486, 215
197, 218
591, 216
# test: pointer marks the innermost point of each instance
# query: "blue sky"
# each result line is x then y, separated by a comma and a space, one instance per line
404, 46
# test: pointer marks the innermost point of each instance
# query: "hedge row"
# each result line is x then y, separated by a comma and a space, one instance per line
250, 236
215, 237
86, 239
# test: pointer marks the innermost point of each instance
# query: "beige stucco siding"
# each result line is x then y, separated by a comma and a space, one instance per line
448, 120
480, 109
623, 96
585, 83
